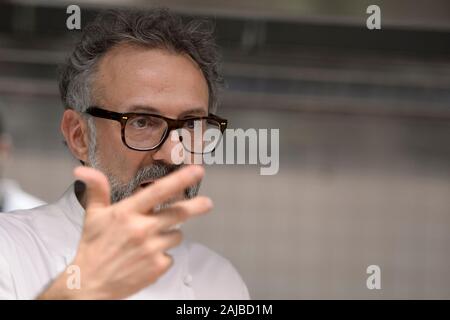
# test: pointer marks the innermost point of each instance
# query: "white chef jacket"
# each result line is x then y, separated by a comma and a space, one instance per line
14, 198
36, 245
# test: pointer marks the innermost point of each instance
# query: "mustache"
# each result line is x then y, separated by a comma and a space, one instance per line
155, 171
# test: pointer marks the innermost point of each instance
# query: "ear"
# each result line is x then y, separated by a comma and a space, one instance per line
75, 131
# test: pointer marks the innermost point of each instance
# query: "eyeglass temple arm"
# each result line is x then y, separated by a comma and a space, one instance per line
105, 114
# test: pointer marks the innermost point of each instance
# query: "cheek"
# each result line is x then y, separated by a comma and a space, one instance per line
120, 161
115, 157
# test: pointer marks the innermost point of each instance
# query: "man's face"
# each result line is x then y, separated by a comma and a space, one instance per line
138, 79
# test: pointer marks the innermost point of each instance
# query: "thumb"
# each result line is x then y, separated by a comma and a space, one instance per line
98, 194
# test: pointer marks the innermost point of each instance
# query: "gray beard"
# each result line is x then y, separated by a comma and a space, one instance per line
119, 190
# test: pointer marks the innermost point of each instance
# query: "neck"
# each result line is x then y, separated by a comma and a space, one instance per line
80, 193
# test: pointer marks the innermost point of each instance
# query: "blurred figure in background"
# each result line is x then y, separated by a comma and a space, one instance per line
12, 197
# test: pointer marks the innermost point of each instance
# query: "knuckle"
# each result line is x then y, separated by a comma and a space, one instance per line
182, 213
177, 237
120, 216
151, 223
137, 233
150, 248
158, 263
164, 262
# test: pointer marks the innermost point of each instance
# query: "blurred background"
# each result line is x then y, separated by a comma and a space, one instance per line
364, 119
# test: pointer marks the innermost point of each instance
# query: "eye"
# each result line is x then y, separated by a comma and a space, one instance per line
190, 124
140, 122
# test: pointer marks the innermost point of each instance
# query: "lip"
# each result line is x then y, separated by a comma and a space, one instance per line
146, 183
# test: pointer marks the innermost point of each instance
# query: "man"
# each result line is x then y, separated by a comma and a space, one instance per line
12, 197
134, 79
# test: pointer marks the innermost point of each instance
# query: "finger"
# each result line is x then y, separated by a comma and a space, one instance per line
97, 187
165, 261
182, 211
166, 241
163, 189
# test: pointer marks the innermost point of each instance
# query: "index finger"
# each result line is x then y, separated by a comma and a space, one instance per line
163, 189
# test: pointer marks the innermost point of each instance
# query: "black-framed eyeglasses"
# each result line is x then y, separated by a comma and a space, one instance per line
145, 131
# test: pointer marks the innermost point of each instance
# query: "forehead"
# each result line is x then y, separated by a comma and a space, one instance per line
168, 82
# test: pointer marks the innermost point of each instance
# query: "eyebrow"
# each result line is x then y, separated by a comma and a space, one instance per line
149, 109
194, 112
141, 108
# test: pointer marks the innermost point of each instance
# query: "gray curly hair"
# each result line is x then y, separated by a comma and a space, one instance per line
155, 28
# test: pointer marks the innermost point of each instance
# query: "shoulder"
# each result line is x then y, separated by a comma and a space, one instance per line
25, 256
15, 239
214, 277
16, 227
28, 228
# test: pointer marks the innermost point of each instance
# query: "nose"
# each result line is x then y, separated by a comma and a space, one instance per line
171, 151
